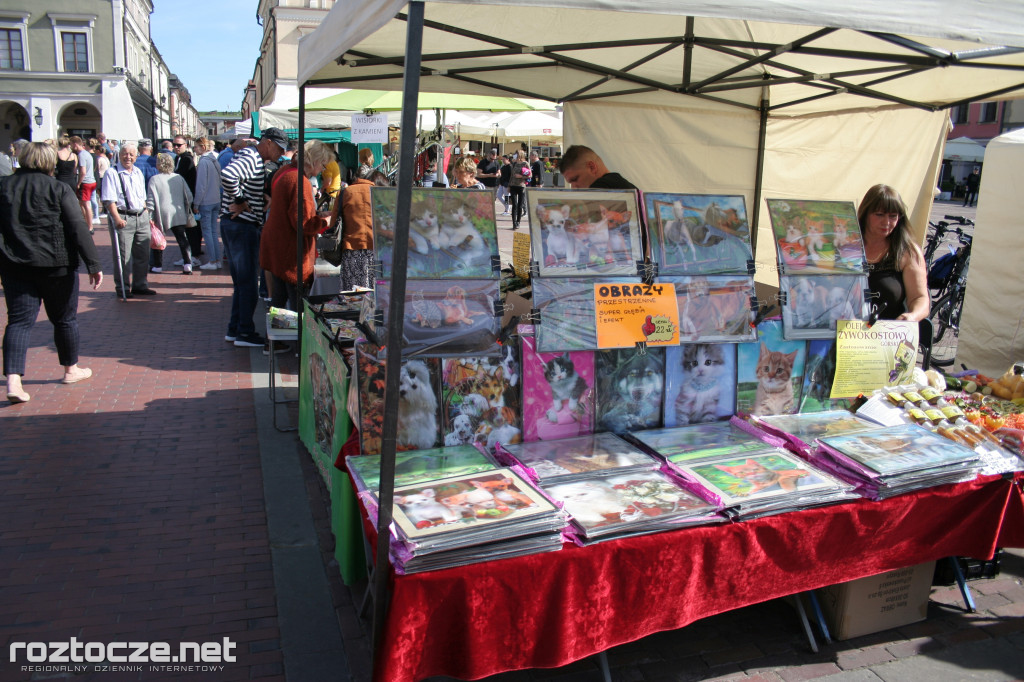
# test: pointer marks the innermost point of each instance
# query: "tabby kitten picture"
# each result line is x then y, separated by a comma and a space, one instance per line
774, 386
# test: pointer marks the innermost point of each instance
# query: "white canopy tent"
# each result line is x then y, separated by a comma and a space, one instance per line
992, 323
764, 98
964, 149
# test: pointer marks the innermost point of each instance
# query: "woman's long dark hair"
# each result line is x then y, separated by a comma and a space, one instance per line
885, 199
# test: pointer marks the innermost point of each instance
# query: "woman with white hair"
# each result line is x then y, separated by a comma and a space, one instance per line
170, 204
280, 231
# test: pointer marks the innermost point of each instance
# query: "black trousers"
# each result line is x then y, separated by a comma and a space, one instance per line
518, 204
59, 296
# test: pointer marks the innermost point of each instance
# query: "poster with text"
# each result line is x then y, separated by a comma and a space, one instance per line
869, 357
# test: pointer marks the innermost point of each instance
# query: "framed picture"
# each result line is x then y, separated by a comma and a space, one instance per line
451, 234
700, 441
698, 234
770, 373
630, 389
480, 399
558, 393
714, 308
573, 458
584, 233
567, 318
815, 303
445, 317
700, 383
817, 237
418, 407
751, 477
820, 371
419, 466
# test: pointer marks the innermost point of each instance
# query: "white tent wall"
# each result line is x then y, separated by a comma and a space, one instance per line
992, 323
714, 151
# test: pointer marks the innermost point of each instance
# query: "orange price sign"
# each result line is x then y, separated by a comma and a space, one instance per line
628, 313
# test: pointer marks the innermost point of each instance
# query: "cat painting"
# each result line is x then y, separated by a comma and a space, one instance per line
705, 377
459, 237
424, 228
567, 387
762, 479
774, 386
814, 242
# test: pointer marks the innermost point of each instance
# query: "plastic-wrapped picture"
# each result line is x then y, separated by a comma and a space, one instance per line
817, 237
451, 234
418, 404
558, 393
583, 233
815, 303
751, 477
821, 369
714, 309
630, 388
566, 307
480, 399
419, 465
700, 383
444, 317
770, 373
698, 234
573, 458
700, 441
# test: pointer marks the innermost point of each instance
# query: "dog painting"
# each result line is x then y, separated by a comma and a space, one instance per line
418, 403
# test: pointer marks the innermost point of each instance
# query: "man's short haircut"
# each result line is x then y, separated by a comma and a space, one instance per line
128, 146
75, 139
574, 155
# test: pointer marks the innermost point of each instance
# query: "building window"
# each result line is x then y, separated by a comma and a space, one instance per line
10, 50
75, 52
988, 112
959, 114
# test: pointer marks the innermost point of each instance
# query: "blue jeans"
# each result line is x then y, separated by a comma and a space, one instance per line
242, 243
209, 217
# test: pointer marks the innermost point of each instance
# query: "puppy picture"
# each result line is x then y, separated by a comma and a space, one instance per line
481, 403
418, 404
630, 389
584, 232
698, 234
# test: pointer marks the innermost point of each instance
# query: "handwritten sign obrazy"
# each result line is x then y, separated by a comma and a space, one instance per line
628, 313
373, 128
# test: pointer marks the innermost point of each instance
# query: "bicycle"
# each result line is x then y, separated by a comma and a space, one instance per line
947, 305
937, 233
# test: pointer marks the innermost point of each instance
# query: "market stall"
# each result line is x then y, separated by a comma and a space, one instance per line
768, 106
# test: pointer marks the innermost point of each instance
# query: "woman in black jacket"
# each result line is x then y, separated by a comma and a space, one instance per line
42, 237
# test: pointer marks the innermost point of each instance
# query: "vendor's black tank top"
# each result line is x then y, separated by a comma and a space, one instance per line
886, 282
67, 172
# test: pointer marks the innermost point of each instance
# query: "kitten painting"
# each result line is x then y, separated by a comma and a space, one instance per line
706, 375
817, 237
567, 387
760, 478
774, 382
459, 237
424, 228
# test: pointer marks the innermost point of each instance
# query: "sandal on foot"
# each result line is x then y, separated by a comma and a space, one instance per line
86, 373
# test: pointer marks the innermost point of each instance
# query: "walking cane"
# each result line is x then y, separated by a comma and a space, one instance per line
117, 258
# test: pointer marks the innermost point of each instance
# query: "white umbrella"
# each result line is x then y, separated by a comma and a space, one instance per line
964, 149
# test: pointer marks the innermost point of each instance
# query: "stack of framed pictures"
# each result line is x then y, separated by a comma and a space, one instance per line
896, 459
801, 430
576, 458
822, 266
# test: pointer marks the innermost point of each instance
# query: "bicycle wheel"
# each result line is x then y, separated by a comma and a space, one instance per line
945, 316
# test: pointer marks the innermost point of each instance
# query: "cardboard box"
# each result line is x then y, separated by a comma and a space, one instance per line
879, 602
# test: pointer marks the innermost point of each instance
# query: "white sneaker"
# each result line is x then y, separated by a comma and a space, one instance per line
187, 269
196, 262
180, 261
156, 269
210, 266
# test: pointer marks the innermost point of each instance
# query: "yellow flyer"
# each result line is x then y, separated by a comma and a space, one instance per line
628, 313
871, 357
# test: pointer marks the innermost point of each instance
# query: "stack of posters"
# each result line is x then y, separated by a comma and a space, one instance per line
822, 265
419, 466
897, 459
468, 518
742, 469
609, 487
801, 430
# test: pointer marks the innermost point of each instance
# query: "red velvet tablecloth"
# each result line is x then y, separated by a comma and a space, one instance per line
547, 610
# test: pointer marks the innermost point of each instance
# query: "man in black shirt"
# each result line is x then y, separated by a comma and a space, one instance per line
583, 169
487, 171
536, 170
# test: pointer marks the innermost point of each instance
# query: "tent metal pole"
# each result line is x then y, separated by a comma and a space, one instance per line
299, 239
762, 135
396, 310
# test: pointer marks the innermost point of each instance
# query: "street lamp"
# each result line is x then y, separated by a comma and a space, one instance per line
38, 118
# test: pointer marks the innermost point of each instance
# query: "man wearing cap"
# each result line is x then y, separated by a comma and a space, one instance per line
583, 169
241, 214
146, 163
487, 171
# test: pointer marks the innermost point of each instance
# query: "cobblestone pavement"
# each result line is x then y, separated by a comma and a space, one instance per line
152, 503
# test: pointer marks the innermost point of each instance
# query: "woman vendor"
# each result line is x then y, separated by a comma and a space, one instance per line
896, 269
